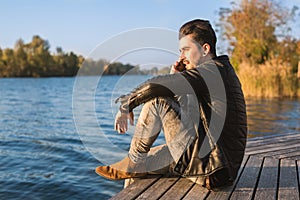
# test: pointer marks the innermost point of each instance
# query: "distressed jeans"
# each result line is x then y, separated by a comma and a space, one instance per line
164, 114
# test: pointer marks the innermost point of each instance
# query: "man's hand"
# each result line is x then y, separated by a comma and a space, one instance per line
121, 123
173, 68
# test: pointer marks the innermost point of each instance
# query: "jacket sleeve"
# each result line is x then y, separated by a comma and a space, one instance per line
161, 86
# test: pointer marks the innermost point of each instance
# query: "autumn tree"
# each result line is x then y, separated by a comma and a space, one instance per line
287, 52
256, 29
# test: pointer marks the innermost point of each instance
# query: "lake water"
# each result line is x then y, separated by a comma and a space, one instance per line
43, 157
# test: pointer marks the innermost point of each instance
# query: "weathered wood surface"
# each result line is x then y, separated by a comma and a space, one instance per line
270, 170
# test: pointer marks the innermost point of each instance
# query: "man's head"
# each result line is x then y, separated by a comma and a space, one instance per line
197, 42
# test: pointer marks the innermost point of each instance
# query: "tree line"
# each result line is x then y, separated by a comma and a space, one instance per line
34, 59
261, 47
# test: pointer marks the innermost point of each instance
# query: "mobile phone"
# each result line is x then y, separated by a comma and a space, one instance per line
181, 66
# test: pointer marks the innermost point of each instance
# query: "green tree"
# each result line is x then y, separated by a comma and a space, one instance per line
40, 59
59, 51
71, 63
58, 66
117, 68
1, 63
90, 67
21, 58
35, 60
9, 63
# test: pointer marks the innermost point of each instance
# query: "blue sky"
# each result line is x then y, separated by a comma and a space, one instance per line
80, 25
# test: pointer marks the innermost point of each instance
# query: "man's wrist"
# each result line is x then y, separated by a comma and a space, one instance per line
124, 108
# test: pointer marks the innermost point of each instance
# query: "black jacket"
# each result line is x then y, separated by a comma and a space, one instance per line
227, 147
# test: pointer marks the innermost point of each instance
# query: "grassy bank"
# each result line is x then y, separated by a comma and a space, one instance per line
270, 80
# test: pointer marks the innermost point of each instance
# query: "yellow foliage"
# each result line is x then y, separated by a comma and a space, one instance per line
272, 79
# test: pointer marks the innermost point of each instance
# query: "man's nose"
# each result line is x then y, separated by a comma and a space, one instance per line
182, 56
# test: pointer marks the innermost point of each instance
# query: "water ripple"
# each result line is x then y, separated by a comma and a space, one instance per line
43, 157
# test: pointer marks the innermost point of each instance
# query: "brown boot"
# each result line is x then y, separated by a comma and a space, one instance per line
122, 170
113, 174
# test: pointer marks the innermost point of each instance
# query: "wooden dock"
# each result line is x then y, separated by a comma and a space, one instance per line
270, 170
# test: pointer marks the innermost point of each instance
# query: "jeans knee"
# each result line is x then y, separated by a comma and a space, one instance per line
164, 104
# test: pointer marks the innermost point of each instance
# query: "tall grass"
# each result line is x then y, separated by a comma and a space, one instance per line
269, 80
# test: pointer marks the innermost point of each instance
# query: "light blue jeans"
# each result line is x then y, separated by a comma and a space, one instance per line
178, 126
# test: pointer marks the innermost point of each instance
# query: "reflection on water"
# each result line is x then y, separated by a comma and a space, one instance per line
266, 117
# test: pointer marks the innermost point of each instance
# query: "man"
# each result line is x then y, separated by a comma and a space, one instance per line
200, 110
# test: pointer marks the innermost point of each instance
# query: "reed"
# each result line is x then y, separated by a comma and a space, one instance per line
272, 79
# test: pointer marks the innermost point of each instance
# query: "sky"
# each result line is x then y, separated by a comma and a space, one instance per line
82, 25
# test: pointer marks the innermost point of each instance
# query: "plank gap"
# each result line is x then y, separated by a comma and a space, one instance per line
246, 185
238, 178
168, 188
188, 191
278, 178
267, 183
135, 189
288, 183
297, 171
158, 188
258, 177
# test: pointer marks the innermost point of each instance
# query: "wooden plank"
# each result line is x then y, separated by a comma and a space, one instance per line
197, 192
267, 185
276, 154
288, 184
258, 144
274, 135
246, 184
294, 157
262, 144
178, 190
275, 142
224, 193
158, 188
291, 154
282, 135
135, 189
272, 147
270, 139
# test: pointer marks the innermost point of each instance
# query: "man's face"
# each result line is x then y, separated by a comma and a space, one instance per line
190, 51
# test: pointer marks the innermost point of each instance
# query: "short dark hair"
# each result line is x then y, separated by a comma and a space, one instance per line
201, 31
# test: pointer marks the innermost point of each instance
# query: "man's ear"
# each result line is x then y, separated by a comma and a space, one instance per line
206, 49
